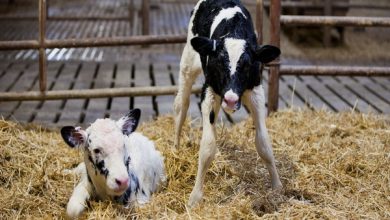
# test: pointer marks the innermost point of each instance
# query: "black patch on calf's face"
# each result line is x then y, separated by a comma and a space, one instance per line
98, 166
102, 169
127, 162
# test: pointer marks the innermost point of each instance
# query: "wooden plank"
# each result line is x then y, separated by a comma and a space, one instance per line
377, 90
162, 77
330, 95
73, 110
121, 105
142, 78
317, 95
97, 108
337, 87
48, 110
288, 91
16, 78
25, 111
370, 96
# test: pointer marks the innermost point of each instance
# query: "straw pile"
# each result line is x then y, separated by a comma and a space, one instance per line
332, 166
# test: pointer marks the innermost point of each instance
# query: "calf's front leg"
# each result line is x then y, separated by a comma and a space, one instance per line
255, 101
81, 193
210, 108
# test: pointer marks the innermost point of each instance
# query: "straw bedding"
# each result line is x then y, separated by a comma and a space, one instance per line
332, 166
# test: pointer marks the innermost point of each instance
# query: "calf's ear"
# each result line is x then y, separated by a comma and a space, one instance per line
203, 45
129, 122
74, 137
267, 53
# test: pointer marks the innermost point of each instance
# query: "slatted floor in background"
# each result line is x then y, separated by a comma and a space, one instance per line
361, 94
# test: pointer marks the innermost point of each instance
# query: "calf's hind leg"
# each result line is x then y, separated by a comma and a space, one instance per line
255, 101
190, 68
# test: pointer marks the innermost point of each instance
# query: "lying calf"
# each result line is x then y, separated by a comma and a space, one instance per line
119, 165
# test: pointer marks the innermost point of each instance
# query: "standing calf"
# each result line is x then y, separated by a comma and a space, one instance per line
119, 165
221, 42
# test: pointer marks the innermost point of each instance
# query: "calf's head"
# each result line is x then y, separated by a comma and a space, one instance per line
105, 150
231, 66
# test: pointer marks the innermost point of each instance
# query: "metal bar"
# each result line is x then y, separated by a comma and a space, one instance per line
259, 21
145, 17
334, 71
67, 18
320, 5
327, 12
335, 21
131, 12
93, 93
94, 42
116, 41
273, 86
42, 53
19, 45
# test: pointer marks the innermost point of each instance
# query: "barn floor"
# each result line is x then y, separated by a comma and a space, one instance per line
88, 68
332, 166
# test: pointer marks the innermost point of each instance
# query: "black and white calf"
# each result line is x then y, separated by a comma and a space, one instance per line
221, 42
119, 164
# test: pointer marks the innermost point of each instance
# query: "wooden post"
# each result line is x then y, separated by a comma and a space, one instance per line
145, 17
327, 29
42, 52
259, 21
273, 86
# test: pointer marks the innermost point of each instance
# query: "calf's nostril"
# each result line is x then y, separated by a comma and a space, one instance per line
230, 102
121, 182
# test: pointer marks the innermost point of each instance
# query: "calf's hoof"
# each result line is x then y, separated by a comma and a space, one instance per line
74, 210
195, 198
277, 186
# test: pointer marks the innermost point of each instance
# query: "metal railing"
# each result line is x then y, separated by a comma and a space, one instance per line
42, 44
276, 70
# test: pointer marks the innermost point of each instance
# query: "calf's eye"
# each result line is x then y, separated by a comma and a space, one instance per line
97, 151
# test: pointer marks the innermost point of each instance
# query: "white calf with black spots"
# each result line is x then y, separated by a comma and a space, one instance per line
119, 164
222, 43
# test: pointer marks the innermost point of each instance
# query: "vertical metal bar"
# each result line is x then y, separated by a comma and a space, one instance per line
327, 12
259, 21
145, 17
42, 53
273, 87
131, 12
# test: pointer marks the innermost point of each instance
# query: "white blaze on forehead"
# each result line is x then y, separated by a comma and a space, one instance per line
226, 13
235, 48
106, 134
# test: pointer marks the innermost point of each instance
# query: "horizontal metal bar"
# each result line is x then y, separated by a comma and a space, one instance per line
19, 45
93, 93
334, 70
94, 42
116, 41
335, 21
66, 18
